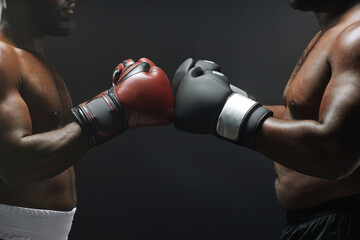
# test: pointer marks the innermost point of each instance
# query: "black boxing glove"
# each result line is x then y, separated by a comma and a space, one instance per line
206, 102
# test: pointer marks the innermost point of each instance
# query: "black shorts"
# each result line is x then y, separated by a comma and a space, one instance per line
337, 219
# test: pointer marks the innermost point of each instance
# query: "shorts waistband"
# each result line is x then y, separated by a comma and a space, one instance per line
345, 204
28, 223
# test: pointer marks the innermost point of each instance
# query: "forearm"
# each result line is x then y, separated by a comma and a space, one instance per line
42, 156
305, 146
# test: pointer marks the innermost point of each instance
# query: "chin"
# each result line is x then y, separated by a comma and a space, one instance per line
315, 5
302, 5
58, 27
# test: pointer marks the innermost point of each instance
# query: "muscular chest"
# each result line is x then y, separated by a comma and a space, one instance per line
45, 94
306, 86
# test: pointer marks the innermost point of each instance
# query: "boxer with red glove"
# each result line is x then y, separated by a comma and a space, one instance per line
141, 96
40, 141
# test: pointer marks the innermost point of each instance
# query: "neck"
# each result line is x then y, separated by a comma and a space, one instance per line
331, 18
326, 20
21, 34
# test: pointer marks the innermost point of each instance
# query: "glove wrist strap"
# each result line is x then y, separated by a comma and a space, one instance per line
240, 119
101, 118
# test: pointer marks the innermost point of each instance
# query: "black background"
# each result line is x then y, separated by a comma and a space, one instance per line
158, 183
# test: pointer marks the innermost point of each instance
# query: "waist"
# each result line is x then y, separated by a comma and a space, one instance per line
28, 223
296, 191
345, 204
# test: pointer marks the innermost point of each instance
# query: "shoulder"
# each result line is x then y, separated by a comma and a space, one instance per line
8, 54
9, 65
347, 44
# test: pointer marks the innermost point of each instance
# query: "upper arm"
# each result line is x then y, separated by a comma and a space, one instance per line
15, 121
339, 111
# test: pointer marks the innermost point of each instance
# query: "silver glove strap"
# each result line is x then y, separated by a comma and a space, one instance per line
231, 118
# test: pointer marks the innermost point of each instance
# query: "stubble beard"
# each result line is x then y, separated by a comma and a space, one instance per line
52, 21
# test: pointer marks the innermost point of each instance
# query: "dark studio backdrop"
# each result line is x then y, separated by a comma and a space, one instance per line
158, 183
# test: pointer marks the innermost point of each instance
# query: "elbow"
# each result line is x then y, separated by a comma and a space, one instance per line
19, 178
23, 166
339, 153
15, 180
340, 174
22, 174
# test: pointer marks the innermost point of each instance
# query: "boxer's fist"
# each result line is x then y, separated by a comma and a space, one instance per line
205, 102
141, 96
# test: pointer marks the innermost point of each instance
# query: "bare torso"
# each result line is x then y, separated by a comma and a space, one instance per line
302, 98
49, 104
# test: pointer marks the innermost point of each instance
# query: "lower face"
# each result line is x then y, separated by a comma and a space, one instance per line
53, 17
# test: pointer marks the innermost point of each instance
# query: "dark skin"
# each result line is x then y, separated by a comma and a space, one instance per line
39, 142
314, 136
314, 132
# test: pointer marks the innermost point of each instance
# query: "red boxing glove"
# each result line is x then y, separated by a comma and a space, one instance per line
120, 69
141, 96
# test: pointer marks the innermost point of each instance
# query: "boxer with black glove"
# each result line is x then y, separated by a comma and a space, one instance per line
141, 96
313, 137
206, 102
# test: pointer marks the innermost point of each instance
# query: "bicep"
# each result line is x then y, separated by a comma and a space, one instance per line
340, 105
339, 112
341, 97
15, 121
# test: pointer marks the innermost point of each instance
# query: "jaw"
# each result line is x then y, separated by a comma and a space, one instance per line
306, 5
320, 5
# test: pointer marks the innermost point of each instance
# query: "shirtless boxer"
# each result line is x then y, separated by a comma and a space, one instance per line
40, 137
313, 138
